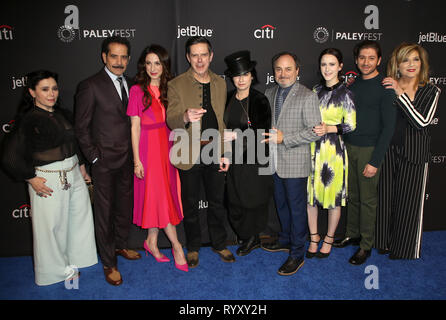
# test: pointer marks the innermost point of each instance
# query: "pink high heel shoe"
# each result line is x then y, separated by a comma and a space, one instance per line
182, 267
162, 259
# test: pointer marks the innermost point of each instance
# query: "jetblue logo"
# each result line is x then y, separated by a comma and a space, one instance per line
192, 31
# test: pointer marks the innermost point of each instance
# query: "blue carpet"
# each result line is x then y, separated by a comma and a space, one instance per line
253, 277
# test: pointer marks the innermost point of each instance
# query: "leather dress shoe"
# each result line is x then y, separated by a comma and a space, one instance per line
275, 247
112, 276
192, 259
248, 245
225, 255
290, 266
360, 257
128, 254
341, 243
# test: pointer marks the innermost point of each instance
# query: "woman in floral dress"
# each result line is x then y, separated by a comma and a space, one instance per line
327, 184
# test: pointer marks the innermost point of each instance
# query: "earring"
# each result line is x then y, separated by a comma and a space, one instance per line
398, 74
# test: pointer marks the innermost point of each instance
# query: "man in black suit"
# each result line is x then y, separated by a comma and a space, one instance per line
103, 130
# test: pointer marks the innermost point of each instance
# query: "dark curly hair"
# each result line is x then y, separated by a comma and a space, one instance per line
143, 79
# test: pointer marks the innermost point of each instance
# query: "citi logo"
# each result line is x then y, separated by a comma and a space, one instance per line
23, 211
350, 77
7, 126
6, 32
265, 32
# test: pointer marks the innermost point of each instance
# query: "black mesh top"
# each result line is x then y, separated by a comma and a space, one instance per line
41, 138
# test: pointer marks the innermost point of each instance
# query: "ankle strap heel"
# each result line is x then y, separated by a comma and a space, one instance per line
315, 234
330, 243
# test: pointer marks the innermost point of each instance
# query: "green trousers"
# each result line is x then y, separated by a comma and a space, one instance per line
363, 197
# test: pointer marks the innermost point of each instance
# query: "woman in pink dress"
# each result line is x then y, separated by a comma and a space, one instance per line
157, 203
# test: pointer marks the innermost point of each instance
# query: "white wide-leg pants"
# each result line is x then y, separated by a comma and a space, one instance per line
63, 229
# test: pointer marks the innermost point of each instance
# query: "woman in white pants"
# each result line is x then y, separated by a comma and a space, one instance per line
42, 150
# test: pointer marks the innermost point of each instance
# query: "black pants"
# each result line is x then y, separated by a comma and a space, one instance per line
214, 185
401, 189
113, 203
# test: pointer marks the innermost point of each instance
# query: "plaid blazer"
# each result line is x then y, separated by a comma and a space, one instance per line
299, 114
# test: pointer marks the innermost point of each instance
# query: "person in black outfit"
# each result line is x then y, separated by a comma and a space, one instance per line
42, 150
402, 184
249, 192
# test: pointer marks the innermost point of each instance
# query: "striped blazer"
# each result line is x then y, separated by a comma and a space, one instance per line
299, 114
419, 114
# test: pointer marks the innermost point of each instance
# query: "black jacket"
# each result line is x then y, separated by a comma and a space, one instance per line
259, 110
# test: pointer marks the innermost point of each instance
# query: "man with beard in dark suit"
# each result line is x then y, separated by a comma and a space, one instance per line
103, 130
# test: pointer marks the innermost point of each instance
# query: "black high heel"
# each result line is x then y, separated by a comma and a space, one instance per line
322, 255
309, 254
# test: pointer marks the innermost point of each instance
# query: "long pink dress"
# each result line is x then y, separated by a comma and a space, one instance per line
156, 197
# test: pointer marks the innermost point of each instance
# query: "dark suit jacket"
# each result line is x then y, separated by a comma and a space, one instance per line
101, 123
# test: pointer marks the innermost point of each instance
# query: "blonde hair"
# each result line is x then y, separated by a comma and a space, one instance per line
402, 52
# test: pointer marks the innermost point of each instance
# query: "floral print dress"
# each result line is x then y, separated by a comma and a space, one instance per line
327, 183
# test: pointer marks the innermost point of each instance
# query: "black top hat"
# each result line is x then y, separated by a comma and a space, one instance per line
239, 63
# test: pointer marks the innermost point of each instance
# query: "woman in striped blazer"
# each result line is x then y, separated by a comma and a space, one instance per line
403, 177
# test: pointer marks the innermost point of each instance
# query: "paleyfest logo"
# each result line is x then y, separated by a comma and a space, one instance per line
321, 35
371, 22
265, 32
70, 30
438, 80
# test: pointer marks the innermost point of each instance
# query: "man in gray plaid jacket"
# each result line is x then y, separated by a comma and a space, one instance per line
295, 111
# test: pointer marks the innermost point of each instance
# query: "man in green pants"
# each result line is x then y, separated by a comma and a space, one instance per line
366, 147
